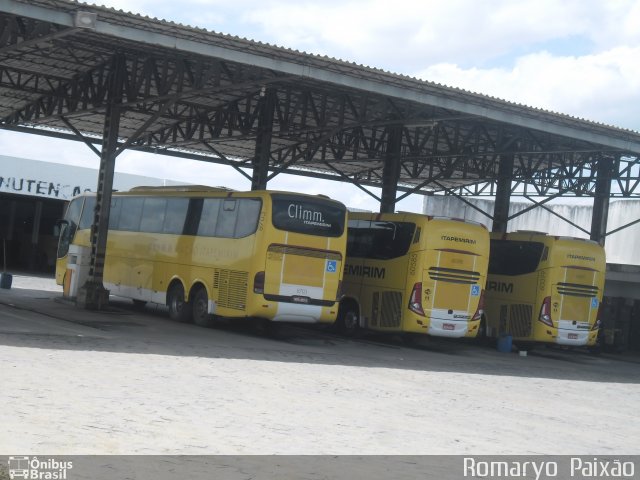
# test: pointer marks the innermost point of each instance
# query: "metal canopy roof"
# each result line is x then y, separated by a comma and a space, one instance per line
193, 93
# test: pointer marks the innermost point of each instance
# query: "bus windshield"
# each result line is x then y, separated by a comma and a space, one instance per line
513, 257
309, 216
379, 240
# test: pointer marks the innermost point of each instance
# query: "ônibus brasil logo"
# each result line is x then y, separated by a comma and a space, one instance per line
37, 469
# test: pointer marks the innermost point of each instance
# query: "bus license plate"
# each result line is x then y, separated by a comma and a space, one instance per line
297, 299
573, 336
448, 326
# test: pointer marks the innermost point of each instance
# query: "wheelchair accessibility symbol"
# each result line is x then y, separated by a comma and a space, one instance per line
594, 302
475, 290
332, 266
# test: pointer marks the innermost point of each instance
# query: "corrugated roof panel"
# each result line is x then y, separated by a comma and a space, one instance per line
336, 111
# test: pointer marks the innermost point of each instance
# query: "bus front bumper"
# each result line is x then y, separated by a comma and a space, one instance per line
576, 338
447, 328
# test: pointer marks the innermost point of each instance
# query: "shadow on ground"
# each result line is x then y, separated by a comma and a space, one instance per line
42, 319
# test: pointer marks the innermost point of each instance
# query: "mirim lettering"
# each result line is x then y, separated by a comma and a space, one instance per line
362, 271
500, 287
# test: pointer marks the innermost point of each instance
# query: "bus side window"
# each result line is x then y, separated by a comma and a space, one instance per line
88, 212
176, 215
359, 239
391, 239
153, 215
416, 237
249, 212
130, 214
114, 213
73, 210
227, 219
209, 217
67, 232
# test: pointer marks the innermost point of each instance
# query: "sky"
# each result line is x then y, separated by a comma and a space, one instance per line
577, 57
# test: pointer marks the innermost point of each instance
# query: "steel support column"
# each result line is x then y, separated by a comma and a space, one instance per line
263, 140
34, 259
12, 220
600, 214
391, 169
92, 294
503, 194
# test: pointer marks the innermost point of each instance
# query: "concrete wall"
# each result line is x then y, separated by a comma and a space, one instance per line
622, 247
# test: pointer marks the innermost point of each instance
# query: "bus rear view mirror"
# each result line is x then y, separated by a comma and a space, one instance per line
58, 226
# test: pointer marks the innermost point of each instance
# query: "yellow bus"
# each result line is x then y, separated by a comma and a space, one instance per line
413, 273
209, 252
544, 288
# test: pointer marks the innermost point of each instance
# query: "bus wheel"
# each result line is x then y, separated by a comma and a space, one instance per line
200, 306
348, 321
179, 309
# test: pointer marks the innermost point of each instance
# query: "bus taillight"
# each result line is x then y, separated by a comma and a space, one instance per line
545, 312
415, 302
480, 309
258, 283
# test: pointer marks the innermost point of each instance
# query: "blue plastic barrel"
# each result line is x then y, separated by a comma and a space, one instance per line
504, 343
5, 280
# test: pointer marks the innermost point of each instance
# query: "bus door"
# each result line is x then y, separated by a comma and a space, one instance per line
574, 303
67, 229
451, 290
66, 232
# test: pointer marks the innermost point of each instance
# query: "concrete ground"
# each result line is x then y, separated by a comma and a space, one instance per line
134, 382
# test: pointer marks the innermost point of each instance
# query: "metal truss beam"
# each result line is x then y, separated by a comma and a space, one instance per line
18, 34
210, 108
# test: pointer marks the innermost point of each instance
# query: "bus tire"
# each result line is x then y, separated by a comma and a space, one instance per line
348, 321
179, 309
200, 307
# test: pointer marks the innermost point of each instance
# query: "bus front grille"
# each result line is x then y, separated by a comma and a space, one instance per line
232, 288
453, 275
577, 290
387, 309
391, 309
520, 322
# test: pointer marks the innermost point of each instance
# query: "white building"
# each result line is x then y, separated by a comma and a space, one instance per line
33, 195
622, 247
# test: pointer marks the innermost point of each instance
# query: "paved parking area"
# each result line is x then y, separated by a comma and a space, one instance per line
133, 382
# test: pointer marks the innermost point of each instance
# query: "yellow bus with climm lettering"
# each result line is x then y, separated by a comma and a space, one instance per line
413, 273
543, 288
209, 252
